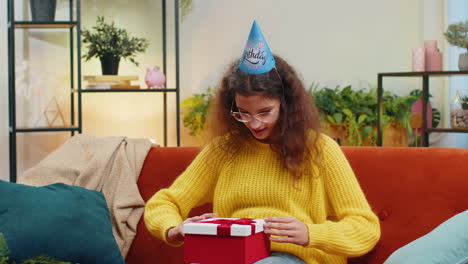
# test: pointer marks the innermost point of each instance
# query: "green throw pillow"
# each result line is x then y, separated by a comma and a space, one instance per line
446, 244
67, 223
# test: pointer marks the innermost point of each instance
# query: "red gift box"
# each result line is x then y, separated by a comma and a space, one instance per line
225, 240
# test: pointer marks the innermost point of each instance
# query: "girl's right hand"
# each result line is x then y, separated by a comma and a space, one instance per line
176, 234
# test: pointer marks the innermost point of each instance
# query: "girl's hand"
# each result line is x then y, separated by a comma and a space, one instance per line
176, 234
286, 230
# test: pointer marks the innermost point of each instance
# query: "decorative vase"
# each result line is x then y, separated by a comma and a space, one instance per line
463, 62
433, 57
417, 107
43, 10
418, 62
110, 65
459, 110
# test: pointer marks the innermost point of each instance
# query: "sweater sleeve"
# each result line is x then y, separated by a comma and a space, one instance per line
194, 187
353, 229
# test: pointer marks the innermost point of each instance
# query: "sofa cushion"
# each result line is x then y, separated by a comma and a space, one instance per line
447, 243
67, 223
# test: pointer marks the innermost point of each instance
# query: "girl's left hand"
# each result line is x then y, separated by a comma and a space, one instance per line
286, 230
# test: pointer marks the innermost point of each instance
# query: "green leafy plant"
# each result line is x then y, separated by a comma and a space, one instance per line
457, 34
355, 111
196, 108
464, 101
348, 109
397, 109
4, 252
108, 40
5, 259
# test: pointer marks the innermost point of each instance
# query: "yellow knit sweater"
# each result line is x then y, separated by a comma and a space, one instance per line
253, 184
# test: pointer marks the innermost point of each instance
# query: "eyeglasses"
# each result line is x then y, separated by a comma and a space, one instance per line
264, 117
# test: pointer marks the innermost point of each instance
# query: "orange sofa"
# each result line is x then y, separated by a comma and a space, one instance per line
412, 190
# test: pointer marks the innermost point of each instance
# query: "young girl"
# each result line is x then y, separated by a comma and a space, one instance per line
269, 160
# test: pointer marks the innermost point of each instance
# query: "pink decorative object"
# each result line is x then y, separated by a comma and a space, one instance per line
417, 107
433, 58
434, 61
430, 45
418, 59
155, 78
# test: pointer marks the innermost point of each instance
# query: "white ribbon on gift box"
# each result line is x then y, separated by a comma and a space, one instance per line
200, 228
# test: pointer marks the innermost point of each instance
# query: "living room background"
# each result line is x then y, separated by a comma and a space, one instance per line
330, 42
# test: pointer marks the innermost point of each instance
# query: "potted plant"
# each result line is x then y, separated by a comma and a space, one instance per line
110, 44
195, 109
350, 116
457, 35
396, 119
347, 115
43, 10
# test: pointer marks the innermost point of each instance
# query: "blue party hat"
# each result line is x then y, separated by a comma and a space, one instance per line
257, 57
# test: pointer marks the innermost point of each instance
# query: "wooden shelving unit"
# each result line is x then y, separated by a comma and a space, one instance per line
425, 76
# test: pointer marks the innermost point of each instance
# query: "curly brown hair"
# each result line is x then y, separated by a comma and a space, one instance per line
298, 113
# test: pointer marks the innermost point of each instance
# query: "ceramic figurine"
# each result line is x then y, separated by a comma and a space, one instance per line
155, 78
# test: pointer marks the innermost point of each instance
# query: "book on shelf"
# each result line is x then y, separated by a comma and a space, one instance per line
110, 78
119, 86
93, 83
113, 86
110, 82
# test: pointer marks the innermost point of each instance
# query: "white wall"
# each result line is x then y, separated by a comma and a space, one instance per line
332, 42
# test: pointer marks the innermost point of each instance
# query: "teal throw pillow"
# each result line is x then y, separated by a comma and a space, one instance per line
67, 223
446, 244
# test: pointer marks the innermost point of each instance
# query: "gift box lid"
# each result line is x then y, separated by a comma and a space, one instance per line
225, 227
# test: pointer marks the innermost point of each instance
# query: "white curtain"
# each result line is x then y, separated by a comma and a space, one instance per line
457, 11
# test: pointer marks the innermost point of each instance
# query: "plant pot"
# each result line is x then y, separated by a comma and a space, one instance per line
370, 140
394, 135
338, 133
43, 10
463, 62
110, 65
